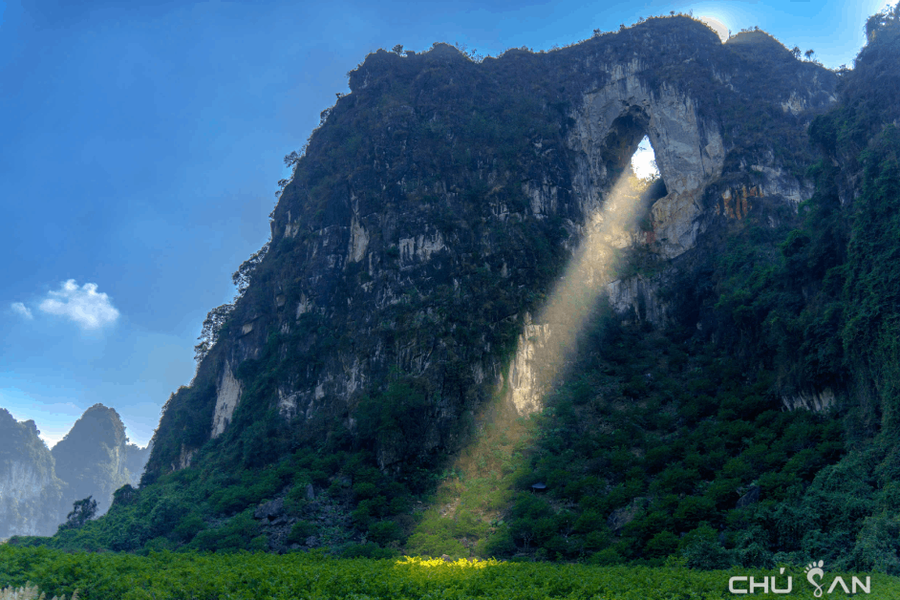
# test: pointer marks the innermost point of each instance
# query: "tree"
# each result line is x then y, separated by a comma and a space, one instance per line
294, 157
125, 495
242, 277
398, 49
879, 20
211, 327
809, 54
82, 512
796, 52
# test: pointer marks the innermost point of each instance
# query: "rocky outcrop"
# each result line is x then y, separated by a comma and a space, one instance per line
227, 394
689, 150
636, 299
815, 401
527, 383
93, 459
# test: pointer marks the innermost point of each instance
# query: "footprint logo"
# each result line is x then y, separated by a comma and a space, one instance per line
813, 571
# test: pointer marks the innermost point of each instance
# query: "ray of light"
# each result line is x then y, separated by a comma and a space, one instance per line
548, 340
468, 503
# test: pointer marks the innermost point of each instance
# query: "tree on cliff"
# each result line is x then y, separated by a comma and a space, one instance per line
215, 319
242, 277
82, 512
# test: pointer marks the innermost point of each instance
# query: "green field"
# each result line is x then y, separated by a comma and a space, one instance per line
258, 576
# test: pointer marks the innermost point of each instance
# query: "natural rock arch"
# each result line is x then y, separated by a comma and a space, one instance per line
609, 124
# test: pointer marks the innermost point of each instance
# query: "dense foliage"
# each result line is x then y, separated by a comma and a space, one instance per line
312, 576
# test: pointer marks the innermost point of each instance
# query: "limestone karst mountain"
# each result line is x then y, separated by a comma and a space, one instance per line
95, 458
31, 496
438, 202
39, 485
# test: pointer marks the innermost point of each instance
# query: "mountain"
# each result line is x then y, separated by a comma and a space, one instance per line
95, 458
39, 485
475, 332
439, 201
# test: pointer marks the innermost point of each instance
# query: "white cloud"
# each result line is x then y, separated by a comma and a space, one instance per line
84, 305
21, 309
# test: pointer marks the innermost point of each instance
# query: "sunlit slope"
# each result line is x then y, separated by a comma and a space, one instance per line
470, 503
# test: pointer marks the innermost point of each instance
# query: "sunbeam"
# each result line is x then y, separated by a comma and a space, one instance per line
548, 339
473, 497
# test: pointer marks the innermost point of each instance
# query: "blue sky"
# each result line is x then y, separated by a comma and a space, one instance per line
141, 144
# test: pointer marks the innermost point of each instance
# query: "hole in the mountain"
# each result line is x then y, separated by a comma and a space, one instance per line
649, 184
643, 161
627, 150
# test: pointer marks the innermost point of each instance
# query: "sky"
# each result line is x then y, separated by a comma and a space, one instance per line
141, 144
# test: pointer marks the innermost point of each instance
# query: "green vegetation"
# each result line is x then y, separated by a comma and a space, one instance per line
206, 509
646, 454
183, 576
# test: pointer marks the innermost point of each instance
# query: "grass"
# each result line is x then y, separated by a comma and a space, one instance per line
471, 499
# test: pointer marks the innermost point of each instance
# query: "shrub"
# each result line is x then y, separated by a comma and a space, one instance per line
662, 544
300, 531
384, 532
367, 550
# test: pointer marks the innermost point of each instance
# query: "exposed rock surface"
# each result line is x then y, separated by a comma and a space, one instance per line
820, 401
31, 496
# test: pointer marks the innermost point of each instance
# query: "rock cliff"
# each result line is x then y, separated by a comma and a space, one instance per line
31, 496
437, 204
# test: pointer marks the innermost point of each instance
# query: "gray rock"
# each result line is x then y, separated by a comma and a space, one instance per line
270, 510
623, 516
751, 497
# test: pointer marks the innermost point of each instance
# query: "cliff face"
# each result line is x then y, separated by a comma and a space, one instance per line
438, 202
135, 459
31, 496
